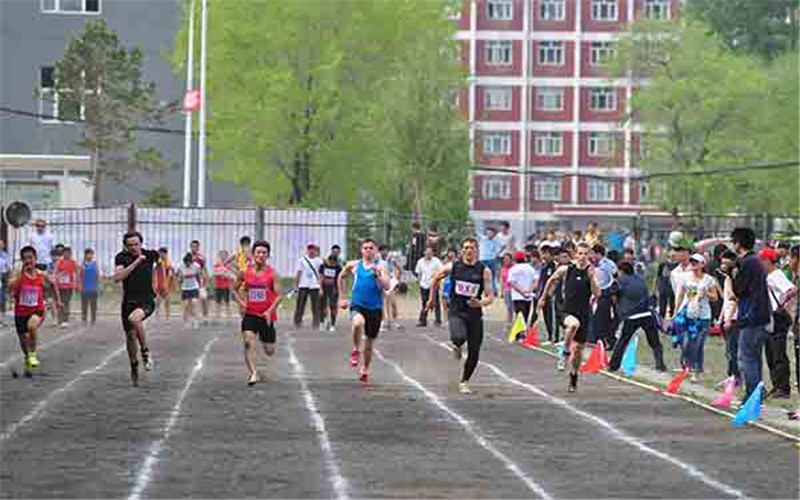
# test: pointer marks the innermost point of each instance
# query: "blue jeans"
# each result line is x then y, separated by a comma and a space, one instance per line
751, 347
494, 267
692, 351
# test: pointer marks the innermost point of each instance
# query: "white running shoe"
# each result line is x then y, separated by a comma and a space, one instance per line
561, 365
463, 388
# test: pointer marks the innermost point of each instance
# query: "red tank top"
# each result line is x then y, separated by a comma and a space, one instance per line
30, 295
66, 274
260, 291
221, 279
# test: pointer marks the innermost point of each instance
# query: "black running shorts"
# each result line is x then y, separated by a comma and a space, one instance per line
128, 306
582, 334
260, 326
465, 329
222, 295
190, 294
372, 320
21, 322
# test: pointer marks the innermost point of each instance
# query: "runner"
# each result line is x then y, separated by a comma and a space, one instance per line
165, 273
191, 279
370, 279
27, 288
66, 282
242, 257
258, 295
89, 286
200, 259
329, 298
134, 268
223, 279
579, 285
470, 292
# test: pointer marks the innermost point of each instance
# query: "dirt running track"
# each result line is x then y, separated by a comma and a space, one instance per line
309, 430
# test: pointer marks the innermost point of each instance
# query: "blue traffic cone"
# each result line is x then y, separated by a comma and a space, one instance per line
751, 409
628, 364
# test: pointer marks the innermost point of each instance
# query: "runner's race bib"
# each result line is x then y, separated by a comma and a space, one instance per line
29, 297
467, 289
330, 273
64, 278
257, 295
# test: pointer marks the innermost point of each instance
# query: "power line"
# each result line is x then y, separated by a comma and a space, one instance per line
31, 114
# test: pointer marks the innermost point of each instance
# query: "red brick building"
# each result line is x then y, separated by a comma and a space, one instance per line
543, 112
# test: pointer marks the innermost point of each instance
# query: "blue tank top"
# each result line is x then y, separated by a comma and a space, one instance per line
90, 276
366, 291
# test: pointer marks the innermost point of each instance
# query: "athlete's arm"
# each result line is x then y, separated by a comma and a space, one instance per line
557, 276
438, 276
13, 283
596, 292
278, 299
122, 272
488, 298
237, 288
382, 275
348, 268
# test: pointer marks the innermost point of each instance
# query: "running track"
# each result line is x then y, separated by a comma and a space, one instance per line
193, 428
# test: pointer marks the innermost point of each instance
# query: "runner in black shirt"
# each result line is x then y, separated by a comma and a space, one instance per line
329, 299
470, 292
134, 268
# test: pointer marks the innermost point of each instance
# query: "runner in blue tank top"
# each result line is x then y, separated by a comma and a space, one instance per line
370, 279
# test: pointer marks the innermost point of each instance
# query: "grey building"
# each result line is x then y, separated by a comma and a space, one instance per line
34, 34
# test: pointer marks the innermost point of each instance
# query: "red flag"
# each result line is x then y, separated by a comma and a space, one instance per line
673, 386
191, 101
532, 337
595, 362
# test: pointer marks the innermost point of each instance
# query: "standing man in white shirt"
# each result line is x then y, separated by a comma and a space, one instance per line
307, 284
425, 269
781, 293
42, 240
506, 239
523, 279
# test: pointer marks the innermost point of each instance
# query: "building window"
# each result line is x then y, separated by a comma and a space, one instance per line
497, 99
56, 107
598, 190
549, 144
601, 144
657, 10
549, 99
551, 53
547, 190
552, 10
602, 52
500, 10
70, 6
603, 99
497, 144
496, 189
604, 10
498, 52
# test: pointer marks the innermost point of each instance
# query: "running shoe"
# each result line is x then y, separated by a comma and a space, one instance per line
33, 361
457, 352
322, 328
252, 379
355, 354
148, 360
463, 388
383, 327
561, 364
364, 378
331, 328
573, 382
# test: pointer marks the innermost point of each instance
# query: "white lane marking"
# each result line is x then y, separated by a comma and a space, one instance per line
339, 483
44, 345
469, 428
623, 436
146, 470
40, 406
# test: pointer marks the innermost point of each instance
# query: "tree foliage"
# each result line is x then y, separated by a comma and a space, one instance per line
98, 73
704, 106
303, 96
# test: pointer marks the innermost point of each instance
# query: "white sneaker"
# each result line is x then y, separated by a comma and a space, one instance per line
65, 325
322, 328
457, 352
463, 388
561, 365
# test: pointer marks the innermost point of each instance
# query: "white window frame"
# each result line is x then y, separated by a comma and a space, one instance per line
497, 98
601, 144
553, 10
497, 143
603, 99
549, 144
602, 52
550, 95
496, 188
57, 8
598, 190
496, 52
657, 10
605, 10
49, 94
551, 53
500, 10
547, 189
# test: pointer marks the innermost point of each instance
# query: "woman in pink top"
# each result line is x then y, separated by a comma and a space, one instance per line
508, 262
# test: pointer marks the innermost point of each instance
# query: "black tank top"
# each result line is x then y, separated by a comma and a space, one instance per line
466, 282
577, 290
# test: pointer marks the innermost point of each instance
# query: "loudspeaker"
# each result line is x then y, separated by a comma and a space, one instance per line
17, 214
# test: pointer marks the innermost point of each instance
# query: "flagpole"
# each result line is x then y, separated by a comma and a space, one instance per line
201, 176
187, 148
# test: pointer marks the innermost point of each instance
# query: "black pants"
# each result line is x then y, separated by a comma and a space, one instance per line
604, 327
523, 307
778, 361
329, 302
470, 330
629, 327
666, 300
89, 306
550, 321
425, 295
66, 299
304, 294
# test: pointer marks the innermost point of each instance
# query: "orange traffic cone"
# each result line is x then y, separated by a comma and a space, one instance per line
595, 362
673, 386
532, 337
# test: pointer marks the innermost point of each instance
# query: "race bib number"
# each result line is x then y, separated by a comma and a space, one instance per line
29, 297
330, 273
257, 295
467, 289
64, 278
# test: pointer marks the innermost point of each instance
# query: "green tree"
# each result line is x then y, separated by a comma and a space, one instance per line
296, 93
763, 27
159, 196
703, 106
100, 81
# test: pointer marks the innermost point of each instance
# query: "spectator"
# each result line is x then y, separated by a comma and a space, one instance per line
604, 324
781, 293
391, 309
425, 269
523, 280
753, 316
452, 256
5, 271
66, 281
508, 243
89, 286
307, 284
783, 249
794, 270
415, 245
727, 317
336, 253
42, 240
224, 276
682, 271
549, 266
694, 303
242, 256
666, 296
508, 263
329, 301
633, 304
489, 250
435, 240
592, 235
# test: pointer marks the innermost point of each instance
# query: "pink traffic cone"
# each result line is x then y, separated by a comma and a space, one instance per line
724, 400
